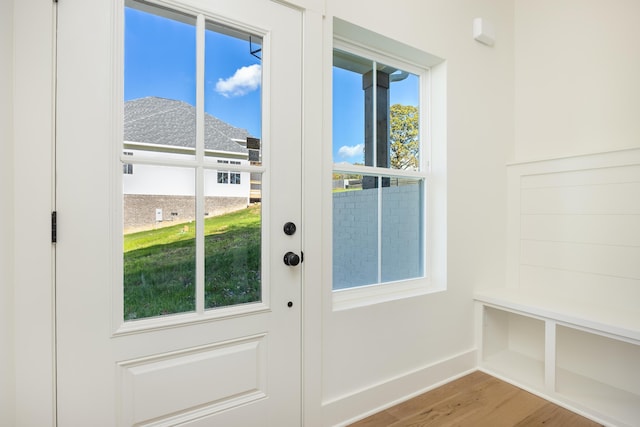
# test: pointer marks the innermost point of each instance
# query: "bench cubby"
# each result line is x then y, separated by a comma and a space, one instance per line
514, 346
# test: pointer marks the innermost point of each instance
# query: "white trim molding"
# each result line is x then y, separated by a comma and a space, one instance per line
34, 89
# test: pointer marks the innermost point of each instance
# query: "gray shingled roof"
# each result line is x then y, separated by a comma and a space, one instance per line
164, 121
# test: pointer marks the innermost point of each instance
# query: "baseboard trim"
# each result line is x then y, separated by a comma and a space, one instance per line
354, 406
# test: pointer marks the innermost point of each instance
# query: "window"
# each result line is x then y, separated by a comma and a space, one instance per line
383, 186
127, 168
226, 177
379, 183
223, 177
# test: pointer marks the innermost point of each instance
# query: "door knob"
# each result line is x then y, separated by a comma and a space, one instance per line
291, 259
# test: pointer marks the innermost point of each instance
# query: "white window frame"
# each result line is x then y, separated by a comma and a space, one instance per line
200, 163
432, 73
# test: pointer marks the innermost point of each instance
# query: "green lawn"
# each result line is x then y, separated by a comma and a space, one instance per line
159, 265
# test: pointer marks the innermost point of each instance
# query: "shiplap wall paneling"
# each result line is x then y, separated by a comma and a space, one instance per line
579, 233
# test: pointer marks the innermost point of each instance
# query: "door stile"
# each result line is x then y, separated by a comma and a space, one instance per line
200, 129
116, 158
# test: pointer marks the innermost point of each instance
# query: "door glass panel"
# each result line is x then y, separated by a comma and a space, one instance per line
233, 240
233, 89
159, 240
233, 83
221, 188
160, 83
159, 256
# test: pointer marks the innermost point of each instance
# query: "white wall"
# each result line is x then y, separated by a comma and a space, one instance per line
372, 354
7, 378
577, 64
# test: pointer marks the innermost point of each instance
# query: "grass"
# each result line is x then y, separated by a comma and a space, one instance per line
344, 190
159, 265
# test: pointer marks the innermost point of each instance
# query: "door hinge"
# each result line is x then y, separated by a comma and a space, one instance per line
54, 227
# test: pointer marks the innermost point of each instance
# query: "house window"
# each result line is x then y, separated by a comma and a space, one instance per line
127, 168
223, 177
380, 169
226, 177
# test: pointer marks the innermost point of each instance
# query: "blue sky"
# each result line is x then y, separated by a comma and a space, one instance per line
348, 111
160, 60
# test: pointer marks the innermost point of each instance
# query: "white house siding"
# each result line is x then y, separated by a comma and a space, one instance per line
172, 189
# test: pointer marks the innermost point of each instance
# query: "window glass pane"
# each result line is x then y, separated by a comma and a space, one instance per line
232, 243
159, 241
349, 107
402, 219
355, 231
159, 82
233, 83
404, 129
159, 128
375, 116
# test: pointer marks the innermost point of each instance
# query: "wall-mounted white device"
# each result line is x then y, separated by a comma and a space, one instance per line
483, 31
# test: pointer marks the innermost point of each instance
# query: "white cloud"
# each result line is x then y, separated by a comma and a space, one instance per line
351, 151
245, 80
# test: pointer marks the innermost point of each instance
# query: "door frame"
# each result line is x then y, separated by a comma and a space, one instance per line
34, 158
34, 292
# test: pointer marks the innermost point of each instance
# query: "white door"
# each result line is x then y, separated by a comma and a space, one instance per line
140, 340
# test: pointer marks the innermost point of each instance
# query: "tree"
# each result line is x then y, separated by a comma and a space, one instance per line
404, 133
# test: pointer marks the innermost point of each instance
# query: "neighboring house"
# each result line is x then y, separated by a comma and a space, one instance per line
164, 195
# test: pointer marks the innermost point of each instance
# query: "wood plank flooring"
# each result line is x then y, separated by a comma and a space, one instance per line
477, 400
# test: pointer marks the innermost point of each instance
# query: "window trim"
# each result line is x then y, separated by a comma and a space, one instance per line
200, 161
432, 73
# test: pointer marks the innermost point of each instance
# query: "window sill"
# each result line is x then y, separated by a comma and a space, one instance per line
346, 299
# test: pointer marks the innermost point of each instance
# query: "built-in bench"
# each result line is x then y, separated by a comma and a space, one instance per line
583, 358
567, 324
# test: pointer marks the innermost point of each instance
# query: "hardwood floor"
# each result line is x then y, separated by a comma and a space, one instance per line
477, 400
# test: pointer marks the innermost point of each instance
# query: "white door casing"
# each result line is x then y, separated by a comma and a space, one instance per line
196, 369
